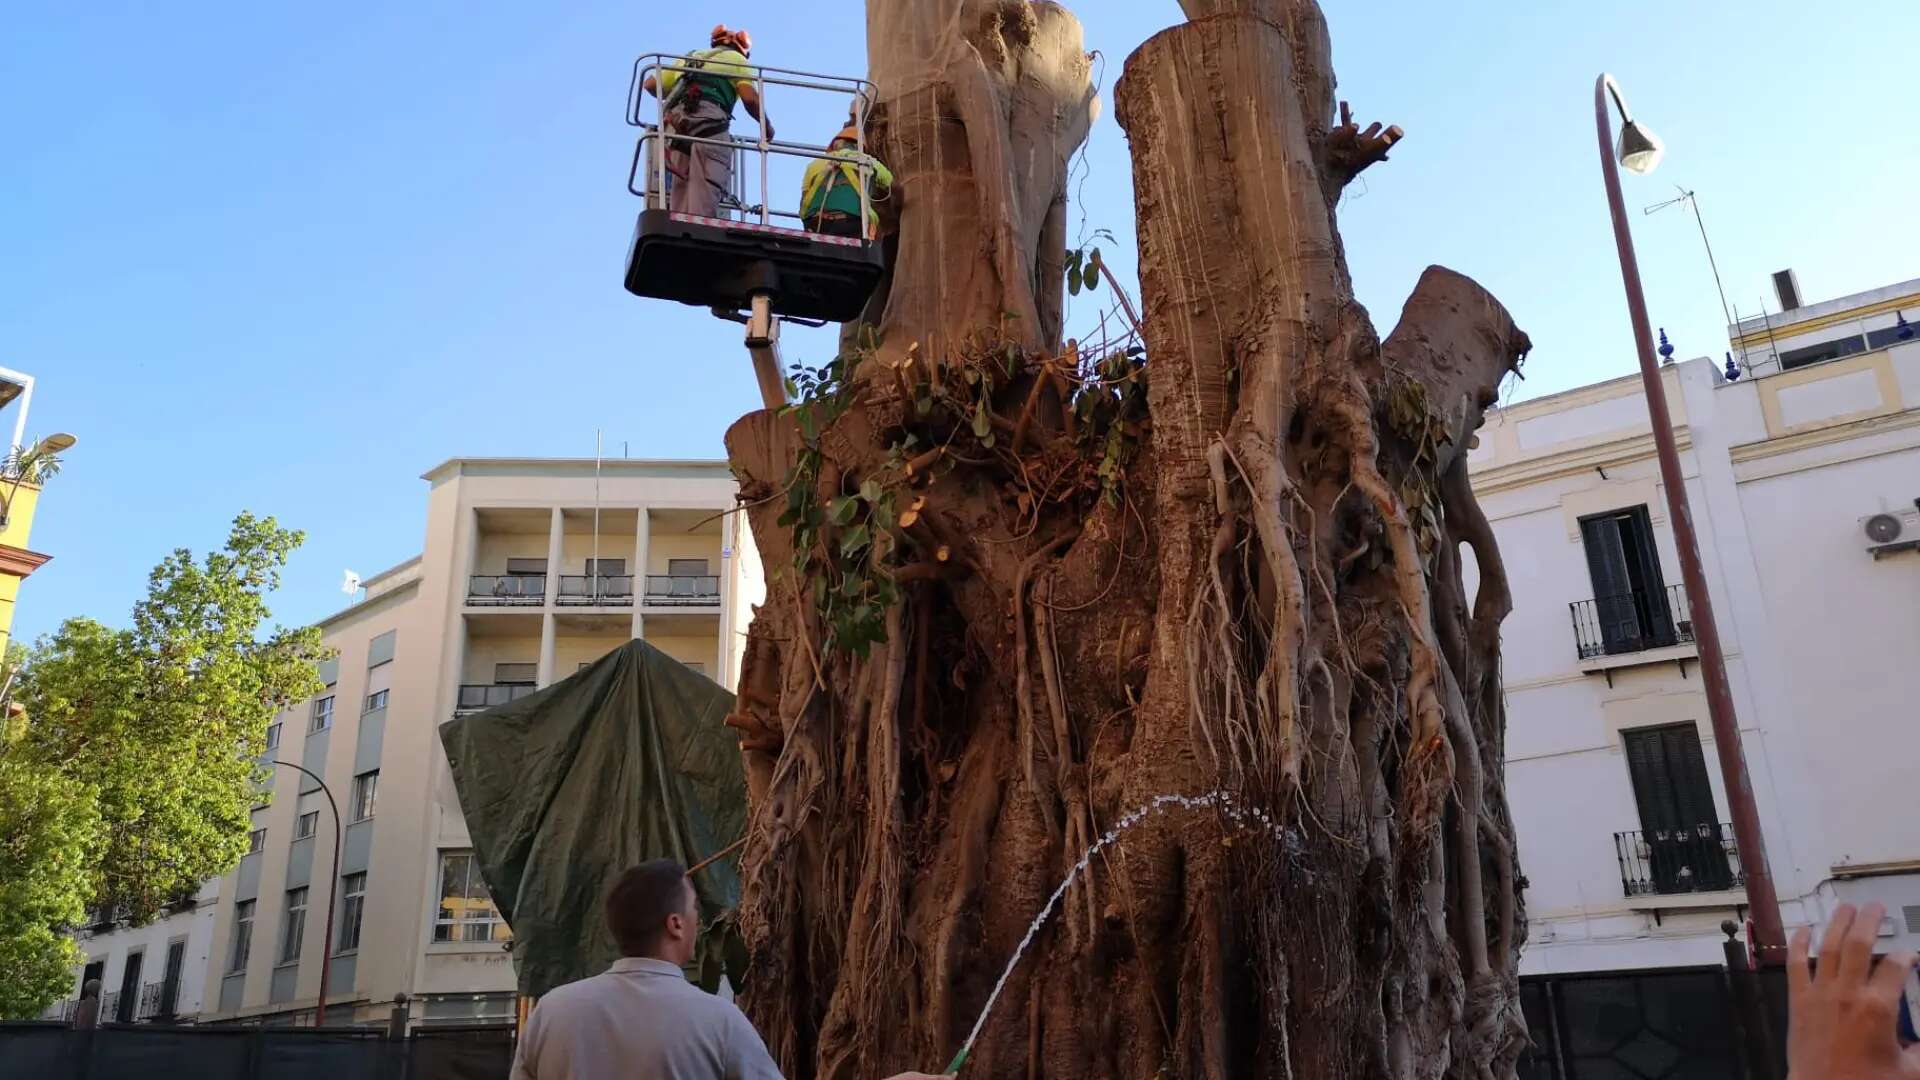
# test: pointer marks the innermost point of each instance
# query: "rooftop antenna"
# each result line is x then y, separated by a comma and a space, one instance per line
1772, 342
1693, 201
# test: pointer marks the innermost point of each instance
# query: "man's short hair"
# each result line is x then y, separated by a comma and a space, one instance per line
640, 902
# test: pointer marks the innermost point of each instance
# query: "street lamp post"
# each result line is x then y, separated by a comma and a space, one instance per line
333, 886
1639, 150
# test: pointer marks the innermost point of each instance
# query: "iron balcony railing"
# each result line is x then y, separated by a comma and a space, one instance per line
1688, 859
1631, 622
478, 698
506, 590
683, 590
604, 590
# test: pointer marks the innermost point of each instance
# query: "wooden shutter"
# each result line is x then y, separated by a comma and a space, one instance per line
1669, 774
1692, 791
1612, 585
1652, 782
1656, 621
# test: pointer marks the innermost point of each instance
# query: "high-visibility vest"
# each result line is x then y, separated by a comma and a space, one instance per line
729, 67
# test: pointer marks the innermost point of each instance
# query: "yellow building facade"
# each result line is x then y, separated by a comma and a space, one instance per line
17, 560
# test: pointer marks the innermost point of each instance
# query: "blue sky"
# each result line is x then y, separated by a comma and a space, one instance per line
286, 258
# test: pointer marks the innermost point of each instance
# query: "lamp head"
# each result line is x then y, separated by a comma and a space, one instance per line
57, 442
1640, 150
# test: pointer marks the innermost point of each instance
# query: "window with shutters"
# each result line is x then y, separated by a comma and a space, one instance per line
364, 788
686, 567
242, 946
526, 568
293, 925
466, 912
1686, 844
353, 899
1630, 601
515, 674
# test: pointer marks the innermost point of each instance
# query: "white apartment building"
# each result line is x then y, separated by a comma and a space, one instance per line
530, 570
1804, 481
156, 972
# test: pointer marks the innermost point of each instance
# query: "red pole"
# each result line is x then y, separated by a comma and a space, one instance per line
1768, 938
333, 886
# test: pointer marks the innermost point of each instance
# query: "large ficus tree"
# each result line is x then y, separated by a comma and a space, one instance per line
146, 743
1019, 591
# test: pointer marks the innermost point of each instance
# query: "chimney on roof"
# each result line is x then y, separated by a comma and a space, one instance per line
1786, 286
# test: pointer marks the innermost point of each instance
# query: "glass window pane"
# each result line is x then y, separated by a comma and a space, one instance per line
477, 889
453, 883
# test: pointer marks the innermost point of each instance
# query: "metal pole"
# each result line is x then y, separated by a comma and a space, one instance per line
333, 887
1768, 937
760, 88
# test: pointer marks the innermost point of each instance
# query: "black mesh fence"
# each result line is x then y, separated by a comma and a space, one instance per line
55, 1052
1674, 1024
477, 1052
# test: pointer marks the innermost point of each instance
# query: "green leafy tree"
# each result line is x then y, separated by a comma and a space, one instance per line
158, 728
49, 841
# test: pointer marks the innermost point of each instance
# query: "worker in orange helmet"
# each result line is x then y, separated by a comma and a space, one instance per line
830, 200
697, 97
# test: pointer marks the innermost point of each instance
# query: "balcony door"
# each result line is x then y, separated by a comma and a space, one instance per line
170, 982
1629, 595
129, 1005
1686, 846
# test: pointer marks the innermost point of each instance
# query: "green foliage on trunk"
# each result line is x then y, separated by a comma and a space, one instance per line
132, 778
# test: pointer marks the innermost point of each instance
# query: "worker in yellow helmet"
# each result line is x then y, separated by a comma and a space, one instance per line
830, 190
698, 102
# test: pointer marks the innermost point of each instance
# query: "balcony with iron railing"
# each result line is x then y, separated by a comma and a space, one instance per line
1632, 622
603, 590
683, 590
152, 997
480, 697
1701, 858
506, 590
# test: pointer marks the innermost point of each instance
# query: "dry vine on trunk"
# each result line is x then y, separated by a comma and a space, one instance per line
1018, 590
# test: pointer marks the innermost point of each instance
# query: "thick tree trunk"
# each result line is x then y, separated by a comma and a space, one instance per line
1234, 568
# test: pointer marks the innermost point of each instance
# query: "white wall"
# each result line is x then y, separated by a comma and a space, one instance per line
1813, 629
194, 927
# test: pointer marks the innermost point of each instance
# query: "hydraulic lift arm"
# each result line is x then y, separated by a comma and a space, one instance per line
763, 345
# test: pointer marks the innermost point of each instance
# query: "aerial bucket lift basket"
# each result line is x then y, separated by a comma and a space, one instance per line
723, 262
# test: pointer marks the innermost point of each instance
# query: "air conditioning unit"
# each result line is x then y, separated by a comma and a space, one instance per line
1891, 530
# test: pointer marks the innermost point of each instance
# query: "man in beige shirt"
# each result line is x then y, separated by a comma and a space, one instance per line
642, 1017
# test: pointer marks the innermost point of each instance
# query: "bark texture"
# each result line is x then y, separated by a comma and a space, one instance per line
1235, 565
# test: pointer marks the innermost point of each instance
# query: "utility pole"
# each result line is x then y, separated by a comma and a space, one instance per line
1640, 151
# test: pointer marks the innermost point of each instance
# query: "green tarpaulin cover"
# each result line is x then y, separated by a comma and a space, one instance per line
563, 789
